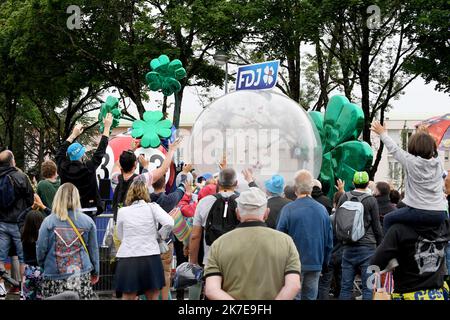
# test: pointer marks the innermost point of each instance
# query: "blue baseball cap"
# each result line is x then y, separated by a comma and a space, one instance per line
207, 176
275, 184
75, 151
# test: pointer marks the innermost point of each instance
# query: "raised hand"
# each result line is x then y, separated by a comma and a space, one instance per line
340, 185
77, 130
187, 168
135, 144
176, 144
223, 163
107, 122
377, 128
38, 204
143, 161
188, 188
248, 175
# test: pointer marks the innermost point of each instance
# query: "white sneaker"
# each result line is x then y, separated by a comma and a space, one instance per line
2, 291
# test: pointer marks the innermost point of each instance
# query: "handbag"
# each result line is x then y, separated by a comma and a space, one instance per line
181, 228
380, 293
163, 246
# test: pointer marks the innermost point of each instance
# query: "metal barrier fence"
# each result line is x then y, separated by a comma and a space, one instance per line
105, 284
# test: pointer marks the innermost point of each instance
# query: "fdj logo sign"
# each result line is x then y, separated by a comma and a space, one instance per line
257, 76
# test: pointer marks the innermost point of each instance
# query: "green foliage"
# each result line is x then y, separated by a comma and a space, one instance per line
430, 29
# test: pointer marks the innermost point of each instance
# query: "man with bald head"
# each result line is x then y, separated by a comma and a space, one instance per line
308, 223
16, 195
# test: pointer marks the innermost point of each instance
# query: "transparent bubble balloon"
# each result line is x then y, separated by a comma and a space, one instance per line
262, 130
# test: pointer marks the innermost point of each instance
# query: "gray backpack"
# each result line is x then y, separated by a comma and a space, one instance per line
349, 218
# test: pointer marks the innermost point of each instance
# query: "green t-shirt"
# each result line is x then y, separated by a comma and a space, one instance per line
253, 260
47, 190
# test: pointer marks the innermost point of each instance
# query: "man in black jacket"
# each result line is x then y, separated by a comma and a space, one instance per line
382, 192
274, 189
72, 169
23, 197
320, 197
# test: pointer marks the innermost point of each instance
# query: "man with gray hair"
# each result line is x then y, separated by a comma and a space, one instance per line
307, 222
252, 262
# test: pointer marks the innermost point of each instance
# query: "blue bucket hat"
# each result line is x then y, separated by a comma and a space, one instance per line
75, 151
275, 184
206, 176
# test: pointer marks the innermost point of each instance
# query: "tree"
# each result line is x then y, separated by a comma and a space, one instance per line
51, 87
429, 29
120, 37
372, 59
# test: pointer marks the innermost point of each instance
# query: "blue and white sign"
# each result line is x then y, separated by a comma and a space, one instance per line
257, 76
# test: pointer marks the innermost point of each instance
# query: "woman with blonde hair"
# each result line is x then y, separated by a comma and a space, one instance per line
67, 247
139, 267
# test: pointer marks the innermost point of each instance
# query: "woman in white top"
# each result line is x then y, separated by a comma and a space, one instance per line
139, 268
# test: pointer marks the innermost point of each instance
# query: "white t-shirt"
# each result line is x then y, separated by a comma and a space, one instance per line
201, 215
137, 231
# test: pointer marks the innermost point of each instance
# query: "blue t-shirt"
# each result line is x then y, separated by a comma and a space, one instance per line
308, 223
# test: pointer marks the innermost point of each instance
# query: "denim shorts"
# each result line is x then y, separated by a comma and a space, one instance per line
10, 236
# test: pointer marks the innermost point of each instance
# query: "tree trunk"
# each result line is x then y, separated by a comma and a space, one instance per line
177, 109
164, 107
41, 151
293, 59
364, 78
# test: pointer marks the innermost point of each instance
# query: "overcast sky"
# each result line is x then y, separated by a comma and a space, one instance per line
419, 102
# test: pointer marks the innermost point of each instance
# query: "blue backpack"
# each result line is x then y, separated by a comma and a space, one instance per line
7, 194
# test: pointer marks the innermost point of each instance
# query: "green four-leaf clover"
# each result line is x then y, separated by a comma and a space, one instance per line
165, 75
111, 105
152, 129
343, 153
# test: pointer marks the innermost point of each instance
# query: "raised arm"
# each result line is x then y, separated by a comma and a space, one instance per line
97, 158
161, 171
61, 153
398, 153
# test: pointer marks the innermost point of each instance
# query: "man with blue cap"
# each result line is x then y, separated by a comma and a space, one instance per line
72, 169
274, 191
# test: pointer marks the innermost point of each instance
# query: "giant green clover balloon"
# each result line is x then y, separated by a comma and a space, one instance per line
343, 153
165, 75
111, 105
152, 129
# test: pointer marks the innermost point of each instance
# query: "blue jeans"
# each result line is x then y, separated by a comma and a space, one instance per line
354, 259
10, 235
310, 285
325, 284
412, 216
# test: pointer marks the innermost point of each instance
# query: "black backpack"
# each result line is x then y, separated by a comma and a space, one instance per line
7, 193
120, 193
220, 221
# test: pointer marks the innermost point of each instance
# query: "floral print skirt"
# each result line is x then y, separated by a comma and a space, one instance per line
80, 284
